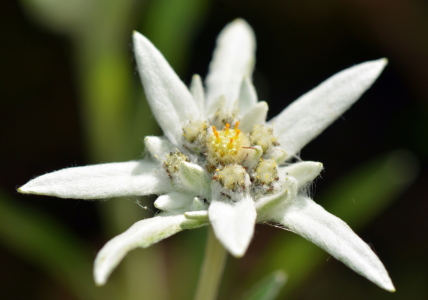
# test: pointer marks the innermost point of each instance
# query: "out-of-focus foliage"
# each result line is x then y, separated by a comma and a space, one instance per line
297, 40
170, 39
267, 288
47, 244
63, 16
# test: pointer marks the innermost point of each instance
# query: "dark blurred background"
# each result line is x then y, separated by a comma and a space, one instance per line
299, 44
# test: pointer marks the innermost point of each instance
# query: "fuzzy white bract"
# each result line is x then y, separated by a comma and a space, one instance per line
220, 163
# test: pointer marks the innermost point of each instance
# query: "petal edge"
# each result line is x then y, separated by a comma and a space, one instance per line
233, 223
308, 219
142, 234
233, 59
132, 178
309, 115
170, 100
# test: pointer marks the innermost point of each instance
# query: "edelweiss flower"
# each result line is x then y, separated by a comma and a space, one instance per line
220, 163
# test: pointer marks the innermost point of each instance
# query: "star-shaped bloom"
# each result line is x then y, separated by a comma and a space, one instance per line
220, 163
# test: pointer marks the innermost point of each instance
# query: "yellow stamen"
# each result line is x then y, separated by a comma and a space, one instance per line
216, 134
230, 146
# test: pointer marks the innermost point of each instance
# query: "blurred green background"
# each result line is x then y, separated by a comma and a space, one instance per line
70, 95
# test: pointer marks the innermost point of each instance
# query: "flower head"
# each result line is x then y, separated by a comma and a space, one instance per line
220, 163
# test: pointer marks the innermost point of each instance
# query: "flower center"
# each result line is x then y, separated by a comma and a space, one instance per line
227, 146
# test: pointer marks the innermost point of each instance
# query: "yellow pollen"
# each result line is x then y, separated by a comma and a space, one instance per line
227, 128
237, 125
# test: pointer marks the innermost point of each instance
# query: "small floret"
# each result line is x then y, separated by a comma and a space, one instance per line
195, 131
173, 161
262, 136
266, 172
233, 177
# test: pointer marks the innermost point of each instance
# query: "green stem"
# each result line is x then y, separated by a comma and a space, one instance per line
212, 268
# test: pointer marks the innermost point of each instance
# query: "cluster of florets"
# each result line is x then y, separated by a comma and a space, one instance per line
173, 160
262, 136
237, 160
226, 147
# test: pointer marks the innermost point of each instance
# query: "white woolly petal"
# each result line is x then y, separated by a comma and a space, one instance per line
142, 234
247, 96
214, 105
199, 215
306, 218
304, 172
133, 178
199, 204
170, 100
265, 206
276, 153
255, 115
195, 179
233, 59
309, 115
253, 158
173, 201
158, 146
286, 189
233, 223
198, 93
